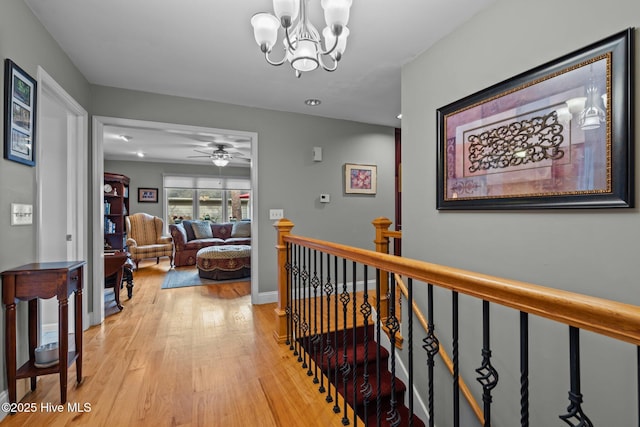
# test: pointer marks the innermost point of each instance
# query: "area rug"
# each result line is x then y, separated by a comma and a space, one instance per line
180, 278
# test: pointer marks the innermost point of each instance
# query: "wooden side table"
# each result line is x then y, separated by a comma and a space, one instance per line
28, 283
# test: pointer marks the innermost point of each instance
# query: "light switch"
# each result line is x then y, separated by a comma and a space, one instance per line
21, 214
325, 198
276, 213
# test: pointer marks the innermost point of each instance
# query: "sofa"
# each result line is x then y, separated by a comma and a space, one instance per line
191, 236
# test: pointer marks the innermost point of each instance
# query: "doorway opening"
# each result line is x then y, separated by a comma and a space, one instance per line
180, 141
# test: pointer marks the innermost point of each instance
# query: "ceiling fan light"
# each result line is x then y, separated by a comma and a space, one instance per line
221, 162
265, 30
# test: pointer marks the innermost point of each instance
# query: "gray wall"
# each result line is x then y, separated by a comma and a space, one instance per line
25, 41
288, 178
149, 175
588, 251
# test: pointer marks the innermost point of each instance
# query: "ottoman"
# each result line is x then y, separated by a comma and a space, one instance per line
224, 262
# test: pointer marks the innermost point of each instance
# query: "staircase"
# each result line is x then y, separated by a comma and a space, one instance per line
361, 359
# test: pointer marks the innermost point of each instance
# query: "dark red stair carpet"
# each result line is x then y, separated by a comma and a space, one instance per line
357, 358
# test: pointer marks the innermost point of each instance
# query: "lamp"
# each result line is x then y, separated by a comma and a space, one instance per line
220, 158
303, 47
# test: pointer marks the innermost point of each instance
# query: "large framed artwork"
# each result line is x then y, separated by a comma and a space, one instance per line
558, 136
20, 115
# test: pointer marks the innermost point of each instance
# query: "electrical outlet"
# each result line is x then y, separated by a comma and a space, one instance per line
276, 213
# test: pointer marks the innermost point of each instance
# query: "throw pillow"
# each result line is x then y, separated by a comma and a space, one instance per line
241, 229
201, 229
188, 229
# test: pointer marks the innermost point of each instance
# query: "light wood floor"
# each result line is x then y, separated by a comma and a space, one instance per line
195, 356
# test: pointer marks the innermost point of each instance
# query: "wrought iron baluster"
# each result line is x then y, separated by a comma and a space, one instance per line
353, 341
524, 369
345, 367
456, 367
336, 407
432, 347
488, 375
393, 416
306, 301
365, 309
575, 412
410, 347
288, 309
296, 301
378, 353
329, 351
315, 340
321, 389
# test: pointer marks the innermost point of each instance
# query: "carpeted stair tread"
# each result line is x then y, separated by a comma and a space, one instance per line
359, 357
355, 358
404, 417
385, 388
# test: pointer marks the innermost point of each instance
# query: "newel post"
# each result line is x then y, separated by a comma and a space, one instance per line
381, 225
284, 227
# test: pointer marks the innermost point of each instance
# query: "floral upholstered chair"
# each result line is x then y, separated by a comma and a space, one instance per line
145, 239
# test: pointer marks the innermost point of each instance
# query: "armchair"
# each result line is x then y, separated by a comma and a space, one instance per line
145, 239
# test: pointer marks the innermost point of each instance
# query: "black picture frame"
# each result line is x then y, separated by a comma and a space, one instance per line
546, 138
147, 195
20, 106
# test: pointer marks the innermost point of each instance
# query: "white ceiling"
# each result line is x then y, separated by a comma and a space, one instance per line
205, 49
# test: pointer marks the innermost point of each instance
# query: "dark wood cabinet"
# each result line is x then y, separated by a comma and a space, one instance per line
116, 208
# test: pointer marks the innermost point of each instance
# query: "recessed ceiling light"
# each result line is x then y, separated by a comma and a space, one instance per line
140, 154
399, 116
125, 138
312, 102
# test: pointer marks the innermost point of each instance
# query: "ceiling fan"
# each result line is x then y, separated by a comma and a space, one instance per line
220, 157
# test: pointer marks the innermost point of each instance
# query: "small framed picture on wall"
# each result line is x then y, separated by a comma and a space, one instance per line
360, 179
147, 195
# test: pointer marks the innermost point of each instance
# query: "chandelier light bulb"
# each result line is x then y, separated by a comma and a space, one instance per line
286, 10
336, 12
265, 30
330, 40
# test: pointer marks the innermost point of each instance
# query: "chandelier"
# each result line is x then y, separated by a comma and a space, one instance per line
592, 115
304, 49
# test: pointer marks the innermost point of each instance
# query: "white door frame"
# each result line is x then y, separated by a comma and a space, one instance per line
97, 182
77, 131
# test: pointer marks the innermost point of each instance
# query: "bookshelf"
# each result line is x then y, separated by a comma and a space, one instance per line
116, 208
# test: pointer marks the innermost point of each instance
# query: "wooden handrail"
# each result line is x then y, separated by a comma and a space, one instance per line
443, 353
613, 319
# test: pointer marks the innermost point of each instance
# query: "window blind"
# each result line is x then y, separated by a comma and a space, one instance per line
206, 182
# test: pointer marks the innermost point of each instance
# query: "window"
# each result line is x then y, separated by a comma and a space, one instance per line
206, 198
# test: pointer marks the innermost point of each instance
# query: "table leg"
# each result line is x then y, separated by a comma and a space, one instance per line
116, 288
33, 336
10, 349
78, 335
63, 349
128, 277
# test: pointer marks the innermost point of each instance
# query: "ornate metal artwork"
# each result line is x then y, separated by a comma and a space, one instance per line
518, 143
